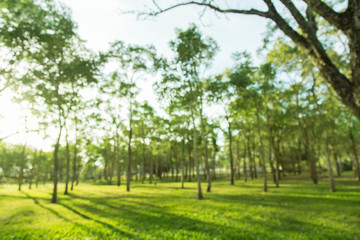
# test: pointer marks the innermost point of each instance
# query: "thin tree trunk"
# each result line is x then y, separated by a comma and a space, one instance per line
214, 157
128, 176
74, 162
189, 153
355, 155
144, 164
250, 159
157, 170
206, 154
254, 158
335, 153
197, 162
22, 166
56, 164
67, 161
32, 171
118, 159
151, 167
182, 162
38, 169
277, 163
262, 150
244, 165
230, 152
238, 160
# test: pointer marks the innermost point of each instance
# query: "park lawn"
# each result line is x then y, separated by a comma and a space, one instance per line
296, 210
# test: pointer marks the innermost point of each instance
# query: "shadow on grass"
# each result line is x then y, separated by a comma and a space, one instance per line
251, 215
112, 228
46, 208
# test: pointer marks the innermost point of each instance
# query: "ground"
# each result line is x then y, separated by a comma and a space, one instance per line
296, 210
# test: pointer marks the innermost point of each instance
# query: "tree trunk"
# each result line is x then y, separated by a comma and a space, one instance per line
128, 175
230, 152
74, 162
277, 163
254, 158
157, 170
355, 155
151, 167
22, 166
196, 160
271, 149
206, 154
112, 165
331, 174
56, 164
214, 158
262, 150
238, 159
67, 161
182, 162
143, 164
244, 165
118, 160
33, 170
250, 159
38, 169
189, 153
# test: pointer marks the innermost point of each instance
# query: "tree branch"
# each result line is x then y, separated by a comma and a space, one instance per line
339, 20
18, 132
297, 15
211, 6
286, 28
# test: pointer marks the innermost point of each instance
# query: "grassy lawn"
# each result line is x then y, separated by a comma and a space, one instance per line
296, 210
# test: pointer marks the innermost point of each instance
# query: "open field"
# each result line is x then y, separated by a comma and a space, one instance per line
297, 210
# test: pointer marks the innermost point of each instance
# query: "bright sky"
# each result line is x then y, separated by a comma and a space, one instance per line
101, 22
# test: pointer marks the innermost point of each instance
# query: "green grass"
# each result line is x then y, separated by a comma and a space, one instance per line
296, 210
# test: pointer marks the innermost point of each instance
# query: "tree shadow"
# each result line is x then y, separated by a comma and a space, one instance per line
109, 226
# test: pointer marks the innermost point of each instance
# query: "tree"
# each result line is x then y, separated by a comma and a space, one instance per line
134, 61
193, 53
301, 26
23, 24
57, 64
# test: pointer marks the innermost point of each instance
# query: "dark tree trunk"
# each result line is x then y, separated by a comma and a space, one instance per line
206, 153
244, 165
355, 155
189, 153
118, 164
250, 159
143, 164
214, 158
182, 162
22, 166
56, 165
262, 150
74, 164
254, 158
38, 170
238, 160
151, 168
230, 152
33, 170
128, 175
67, 162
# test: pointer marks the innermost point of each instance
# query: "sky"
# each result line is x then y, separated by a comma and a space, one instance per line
101, 22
